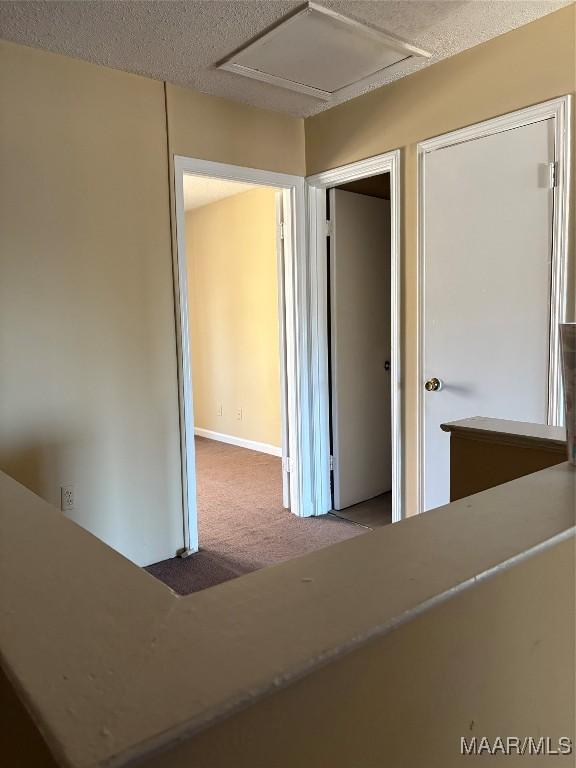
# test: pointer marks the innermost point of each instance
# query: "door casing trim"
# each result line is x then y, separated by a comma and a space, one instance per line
320, 394
560, 111
295, 327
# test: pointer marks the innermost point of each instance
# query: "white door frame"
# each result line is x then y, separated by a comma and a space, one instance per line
284, 451
295, 291
317, 186
558, 110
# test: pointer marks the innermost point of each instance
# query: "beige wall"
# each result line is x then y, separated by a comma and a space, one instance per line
87, 352
233, 294
529, 65
495, 660
391, 644
87, 342
212, 128
88, 392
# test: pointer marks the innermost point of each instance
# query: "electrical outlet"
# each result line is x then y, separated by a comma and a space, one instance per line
239, 414
219, 409
67, 498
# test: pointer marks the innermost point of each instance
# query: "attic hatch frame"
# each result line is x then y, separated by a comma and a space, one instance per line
294, 276
353, 89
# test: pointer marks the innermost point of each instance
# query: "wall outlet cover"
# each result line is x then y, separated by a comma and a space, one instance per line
67, 498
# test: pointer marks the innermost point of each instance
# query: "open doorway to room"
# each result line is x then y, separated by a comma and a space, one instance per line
359, 329
354, 215
243, 426
237, 354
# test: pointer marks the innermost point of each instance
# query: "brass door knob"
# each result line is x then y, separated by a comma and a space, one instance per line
433, 385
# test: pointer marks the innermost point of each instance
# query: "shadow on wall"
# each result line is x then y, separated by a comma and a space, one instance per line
112, 491
40, 465
25, 745
45, 463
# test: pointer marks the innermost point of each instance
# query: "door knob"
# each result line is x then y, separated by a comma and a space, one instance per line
433, 385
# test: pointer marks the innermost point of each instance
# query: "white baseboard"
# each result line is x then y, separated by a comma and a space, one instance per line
241, 442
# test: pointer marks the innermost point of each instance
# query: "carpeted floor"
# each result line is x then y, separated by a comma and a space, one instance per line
242, 524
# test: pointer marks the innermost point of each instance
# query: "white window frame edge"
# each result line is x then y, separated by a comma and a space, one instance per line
320, 395
295, 286
558, 109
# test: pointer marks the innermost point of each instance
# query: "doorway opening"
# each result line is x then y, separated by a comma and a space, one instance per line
354, 215
359, 350
242, 334
236, 324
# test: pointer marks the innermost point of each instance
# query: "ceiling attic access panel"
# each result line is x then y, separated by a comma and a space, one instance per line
321, 53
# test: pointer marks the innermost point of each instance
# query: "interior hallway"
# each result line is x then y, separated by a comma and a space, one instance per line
242, 524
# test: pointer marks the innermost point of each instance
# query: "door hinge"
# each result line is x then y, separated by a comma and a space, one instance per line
553, 171
329, 229
286, 463
281, 230
331, 463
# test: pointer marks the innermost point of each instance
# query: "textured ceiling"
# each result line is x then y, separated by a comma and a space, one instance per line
201, 190
182, 41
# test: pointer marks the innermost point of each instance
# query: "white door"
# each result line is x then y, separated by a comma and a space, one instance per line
360, 347
487, 237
